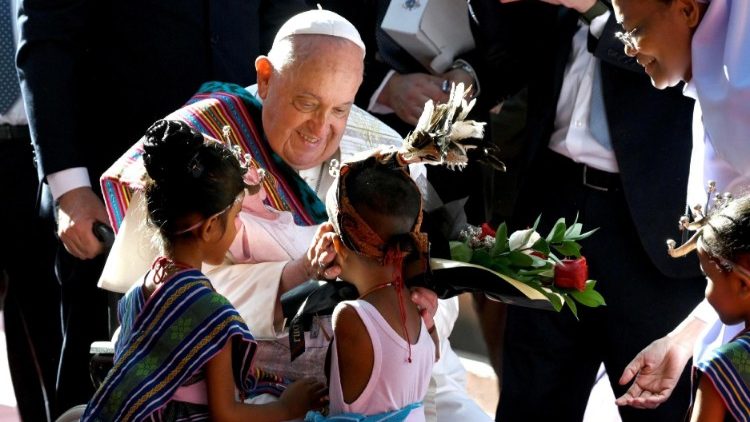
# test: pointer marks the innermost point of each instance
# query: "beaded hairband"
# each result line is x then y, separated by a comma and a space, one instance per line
697, 220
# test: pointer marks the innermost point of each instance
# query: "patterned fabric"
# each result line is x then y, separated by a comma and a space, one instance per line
728, 368
9, 89
165, 342
215, 106
399, 415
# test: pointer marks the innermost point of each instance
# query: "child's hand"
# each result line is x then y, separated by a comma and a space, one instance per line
427, 303
303, 395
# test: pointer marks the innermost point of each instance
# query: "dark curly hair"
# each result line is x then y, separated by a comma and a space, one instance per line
727, 232
189, 176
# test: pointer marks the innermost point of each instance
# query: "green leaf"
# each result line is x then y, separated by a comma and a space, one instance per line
520, 259
501, 241
535, 271
548, 273
536, 222
539, 262
541, 245
589, 297
571, 304
574, 230
554, 299
569, 248
582, 235
558, 232
482, 257
460, 251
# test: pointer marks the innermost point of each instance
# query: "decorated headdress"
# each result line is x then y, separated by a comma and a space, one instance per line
718, 214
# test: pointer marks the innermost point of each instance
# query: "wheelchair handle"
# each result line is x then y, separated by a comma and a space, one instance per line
104, 234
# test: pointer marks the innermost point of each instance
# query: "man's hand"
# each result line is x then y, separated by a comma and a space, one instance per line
321, 253
78, 210
457, 76
407, 94
656, 369
580, 6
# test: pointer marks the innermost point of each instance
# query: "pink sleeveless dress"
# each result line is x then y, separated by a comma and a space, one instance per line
394, 382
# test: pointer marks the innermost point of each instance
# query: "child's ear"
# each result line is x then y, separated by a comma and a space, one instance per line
211, 229
691, 11
341, 250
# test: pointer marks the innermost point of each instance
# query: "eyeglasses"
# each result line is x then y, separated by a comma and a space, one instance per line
628, 38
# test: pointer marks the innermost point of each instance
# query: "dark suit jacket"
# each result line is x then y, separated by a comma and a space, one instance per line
384, 54
97, 73
650, 129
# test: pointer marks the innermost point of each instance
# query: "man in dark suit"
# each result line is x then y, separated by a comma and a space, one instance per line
606, 146
95, 75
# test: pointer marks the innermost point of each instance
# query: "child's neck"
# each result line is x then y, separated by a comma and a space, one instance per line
370, 277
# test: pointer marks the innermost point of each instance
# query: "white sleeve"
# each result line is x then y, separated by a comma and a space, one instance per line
446, 316
705, 312
64, 181
374, 106
253, 289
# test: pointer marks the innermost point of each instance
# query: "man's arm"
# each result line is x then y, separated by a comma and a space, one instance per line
52, 55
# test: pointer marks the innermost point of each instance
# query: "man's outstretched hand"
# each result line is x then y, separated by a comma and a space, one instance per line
656, 370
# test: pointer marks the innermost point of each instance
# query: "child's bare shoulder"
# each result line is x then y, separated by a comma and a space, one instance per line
347, 323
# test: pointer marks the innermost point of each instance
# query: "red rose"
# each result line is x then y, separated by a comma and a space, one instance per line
487, 231
572, 274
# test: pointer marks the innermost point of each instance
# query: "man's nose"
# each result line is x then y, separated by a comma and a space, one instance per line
317, 124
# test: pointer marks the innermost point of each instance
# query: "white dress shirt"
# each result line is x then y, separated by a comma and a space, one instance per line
571, 136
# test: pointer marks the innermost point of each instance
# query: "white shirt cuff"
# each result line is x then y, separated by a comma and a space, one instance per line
375, 106
64, 181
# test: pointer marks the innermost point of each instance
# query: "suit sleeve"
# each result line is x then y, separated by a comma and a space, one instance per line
51, 57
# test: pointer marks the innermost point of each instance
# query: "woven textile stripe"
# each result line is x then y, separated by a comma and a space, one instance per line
728, 368
168, 340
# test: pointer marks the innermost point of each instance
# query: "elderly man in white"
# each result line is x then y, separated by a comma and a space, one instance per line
307, 84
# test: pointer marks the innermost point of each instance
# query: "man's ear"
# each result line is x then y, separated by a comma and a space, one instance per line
264, 69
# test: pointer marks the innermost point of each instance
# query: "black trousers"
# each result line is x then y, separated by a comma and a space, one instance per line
84, 319
32, 303
550, 359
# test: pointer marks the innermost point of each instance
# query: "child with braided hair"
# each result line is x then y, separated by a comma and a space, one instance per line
723, 246
183, 351
382, 352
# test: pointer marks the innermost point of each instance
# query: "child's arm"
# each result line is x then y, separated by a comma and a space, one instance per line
300, 397
355, 354
709, 406
427, 303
